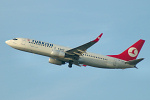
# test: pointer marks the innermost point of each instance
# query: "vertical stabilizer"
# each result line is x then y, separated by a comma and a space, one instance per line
131, 53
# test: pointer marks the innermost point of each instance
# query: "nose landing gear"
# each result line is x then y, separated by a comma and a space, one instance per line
70, 64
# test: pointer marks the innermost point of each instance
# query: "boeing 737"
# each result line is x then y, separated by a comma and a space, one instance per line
79, 56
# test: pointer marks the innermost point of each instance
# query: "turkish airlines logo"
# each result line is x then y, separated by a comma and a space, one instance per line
133, 52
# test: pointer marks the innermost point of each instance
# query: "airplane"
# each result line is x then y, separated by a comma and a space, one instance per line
79, 56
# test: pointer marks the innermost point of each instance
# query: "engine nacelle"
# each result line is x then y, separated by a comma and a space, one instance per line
58, 53
55, 61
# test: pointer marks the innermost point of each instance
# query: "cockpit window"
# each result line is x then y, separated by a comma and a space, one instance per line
15, 39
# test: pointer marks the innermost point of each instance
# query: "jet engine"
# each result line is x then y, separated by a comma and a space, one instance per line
58, 53
55, 61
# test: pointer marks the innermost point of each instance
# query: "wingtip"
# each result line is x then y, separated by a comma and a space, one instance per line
97, 39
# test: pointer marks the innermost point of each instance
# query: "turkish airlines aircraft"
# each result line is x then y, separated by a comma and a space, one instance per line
79, 56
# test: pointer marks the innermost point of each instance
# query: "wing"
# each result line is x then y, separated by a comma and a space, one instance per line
81, 49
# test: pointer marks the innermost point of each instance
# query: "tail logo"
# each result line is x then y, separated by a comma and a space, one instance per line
133, 52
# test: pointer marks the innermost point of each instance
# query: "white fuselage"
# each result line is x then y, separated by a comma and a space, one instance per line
87, 58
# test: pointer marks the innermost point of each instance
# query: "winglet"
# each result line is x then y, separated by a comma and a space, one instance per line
97, 39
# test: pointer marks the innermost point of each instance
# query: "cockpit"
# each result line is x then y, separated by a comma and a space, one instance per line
15, 39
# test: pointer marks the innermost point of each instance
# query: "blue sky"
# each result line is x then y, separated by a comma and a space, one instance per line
26, 76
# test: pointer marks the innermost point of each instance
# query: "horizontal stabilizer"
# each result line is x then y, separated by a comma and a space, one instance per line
134, 62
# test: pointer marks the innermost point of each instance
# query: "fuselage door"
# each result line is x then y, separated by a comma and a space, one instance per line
114, 62
23, 41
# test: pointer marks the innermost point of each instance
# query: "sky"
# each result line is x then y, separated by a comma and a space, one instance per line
71, 23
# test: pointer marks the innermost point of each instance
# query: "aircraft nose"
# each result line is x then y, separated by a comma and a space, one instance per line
7, 42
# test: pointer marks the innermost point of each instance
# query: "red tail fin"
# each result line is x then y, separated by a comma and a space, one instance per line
131, 53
